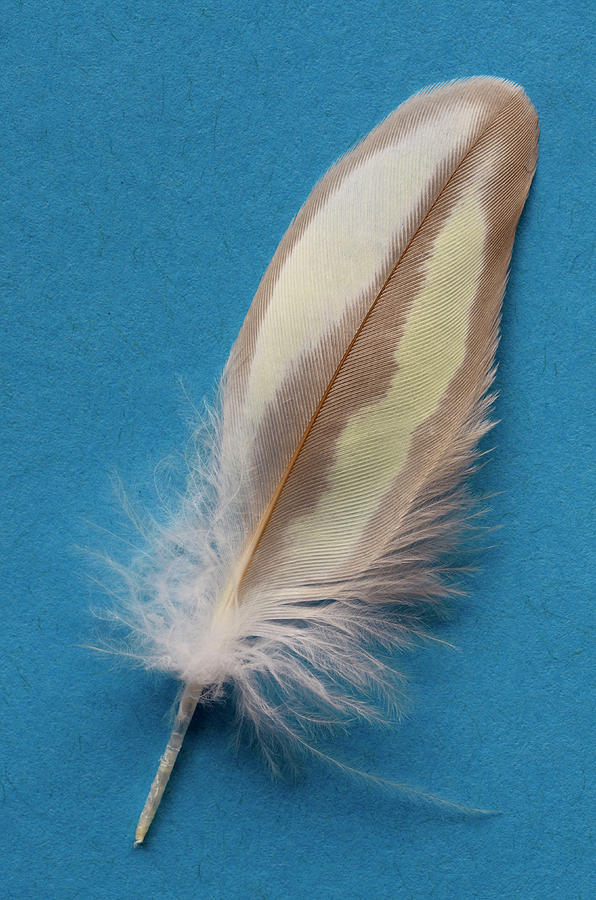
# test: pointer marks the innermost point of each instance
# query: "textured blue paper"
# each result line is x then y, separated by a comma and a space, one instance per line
153, 154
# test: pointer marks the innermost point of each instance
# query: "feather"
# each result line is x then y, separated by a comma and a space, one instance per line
315, 523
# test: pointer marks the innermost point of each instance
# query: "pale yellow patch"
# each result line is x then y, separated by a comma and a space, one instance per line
431, 351
345, 248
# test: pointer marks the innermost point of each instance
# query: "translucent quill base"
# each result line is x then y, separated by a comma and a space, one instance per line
188, 704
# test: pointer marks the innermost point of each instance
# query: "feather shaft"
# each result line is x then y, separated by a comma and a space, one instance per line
188, 704
231, 592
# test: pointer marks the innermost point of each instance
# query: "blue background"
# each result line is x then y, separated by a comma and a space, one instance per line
153, 155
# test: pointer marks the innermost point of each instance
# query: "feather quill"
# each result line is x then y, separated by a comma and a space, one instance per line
350, 409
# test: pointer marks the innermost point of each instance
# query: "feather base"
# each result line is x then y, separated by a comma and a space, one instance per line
188, 704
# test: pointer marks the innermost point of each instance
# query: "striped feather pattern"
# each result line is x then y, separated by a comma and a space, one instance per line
351, 407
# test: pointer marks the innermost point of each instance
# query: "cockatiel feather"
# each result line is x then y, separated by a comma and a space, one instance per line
350, 409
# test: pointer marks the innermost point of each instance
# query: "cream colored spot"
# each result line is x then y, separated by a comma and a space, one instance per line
377, 437
345, 249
